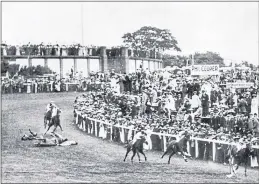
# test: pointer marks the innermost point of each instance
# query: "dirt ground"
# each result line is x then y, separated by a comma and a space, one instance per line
92, 160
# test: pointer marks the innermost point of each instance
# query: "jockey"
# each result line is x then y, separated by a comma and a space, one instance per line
184, 146
238, 143
138, 136
50, 106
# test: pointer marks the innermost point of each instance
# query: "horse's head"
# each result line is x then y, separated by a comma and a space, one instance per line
185, 135
58, 111
249, 149
143, 139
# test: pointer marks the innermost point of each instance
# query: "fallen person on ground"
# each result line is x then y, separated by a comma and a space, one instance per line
55, 140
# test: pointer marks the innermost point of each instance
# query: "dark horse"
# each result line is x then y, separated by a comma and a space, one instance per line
55, 120
137, 147
237, 157
47, 118
175, 146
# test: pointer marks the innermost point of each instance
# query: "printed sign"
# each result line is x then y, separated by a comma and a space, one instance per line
205, 70
239, 85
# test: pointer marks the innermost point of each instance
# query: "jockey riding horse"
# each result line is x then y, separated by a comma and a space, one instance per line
179, 145
237, 155
136, 146
53, 115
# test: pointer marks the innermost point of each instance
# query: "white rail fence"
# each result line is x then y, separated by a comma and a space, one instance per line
197, 147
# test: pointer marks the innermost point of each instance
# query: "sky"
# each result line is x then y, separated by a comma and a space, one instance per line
228, 28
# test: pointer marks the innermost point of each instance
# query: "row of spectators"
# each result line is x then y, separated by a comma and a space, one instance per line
125, 110
69, 50
175, 102
40, 84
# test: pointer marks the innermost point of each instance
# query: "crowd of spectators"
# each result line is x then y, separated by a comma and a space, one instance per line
69, 50
41, 84
169, 102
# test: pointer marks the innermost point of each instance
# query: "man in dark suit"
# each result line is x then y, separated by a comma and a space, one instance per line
213, 96
205, 103
196, 86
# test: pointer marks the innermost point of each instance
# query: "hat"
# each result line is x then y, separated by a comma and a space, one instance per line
236, 137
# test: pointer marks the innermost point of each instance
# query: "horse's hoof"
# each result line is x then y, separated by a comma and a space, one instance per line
186, 160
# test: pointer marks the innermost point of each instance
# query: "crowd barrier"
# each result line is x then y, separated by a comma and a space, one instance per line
39, 88
48, 87
199, 148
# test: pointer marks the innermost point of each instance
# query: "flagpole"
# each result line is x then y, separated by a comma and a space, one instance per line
82, 23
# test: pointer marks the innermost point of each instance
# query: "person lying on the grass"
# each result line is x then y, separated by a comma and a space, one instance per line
31, 136
56, 140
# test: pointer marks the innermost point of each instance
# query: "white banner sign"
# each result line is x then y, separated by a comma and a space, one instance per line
205, 70
239, 85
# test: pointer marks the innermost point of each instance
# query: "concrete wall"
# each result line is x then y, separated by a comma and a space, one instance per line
116, 64
62, 64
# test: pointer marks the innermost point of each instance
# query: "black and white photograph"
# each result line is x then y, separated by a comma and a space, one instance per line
129, 92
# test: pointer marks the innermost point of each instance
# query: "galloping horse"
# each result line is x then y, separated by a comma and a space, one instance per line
179, 145
55, 120
137, 147
237, 157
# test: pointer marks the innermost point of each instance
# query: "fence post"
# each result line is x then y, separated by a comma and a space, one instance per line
196, 149
188, 147
92, 125
76, 118
88, 126
81, 124
84, 125
51, 87
95, 124
213, 151
28, 88
111, 133
164, 137
66, 86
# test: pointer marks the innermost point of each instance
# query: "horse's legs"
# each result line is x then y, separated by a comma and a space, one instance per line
55, 127
141, 151
138, 156
245, 169
134, 153
48, 129
165, 153
184, 157
45, 122
170, 157
128, 150
60, 127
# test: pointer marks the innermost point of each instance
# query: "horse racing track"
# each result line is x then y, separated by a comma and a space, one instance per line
92, 160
